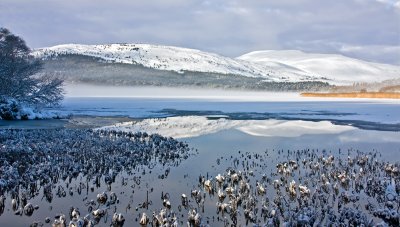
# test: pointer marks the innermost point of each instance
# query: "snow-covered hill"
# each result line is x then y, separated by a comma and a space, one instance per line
269, 66
181, 59
334, 67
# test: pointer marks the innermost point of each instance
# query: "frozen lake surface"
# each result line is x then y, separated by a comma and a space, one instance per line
365, 114
369, 114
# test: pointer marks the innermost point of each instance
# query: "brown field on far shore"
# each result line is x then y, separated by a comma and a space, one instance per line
378, 95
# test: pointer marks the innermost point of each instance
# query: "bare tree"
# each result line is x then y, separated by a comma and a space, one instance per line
20, 76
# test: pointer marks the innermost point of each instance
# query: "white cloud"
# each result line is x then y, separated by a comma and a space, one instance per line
392, 3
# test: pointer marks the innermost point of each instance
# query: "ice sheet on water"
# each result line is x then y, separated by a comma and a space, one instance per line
363, 114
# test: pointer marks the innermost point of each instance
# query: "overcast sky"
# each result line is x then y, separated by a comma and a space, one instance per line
366, 29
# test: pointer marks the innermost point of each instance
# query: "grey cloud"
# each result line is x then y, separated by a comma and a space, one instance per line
226, 27
378, 53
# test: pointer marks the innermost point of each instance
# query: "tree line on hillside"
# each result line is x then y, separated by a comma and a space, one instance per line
85, 69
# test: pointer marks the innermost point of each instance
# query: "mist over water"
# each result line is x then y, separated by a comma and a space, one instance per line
88, 90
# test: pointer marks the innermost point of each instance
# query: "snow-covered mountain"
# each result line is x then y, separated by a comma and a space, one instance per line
181, 59
337, 68
265, 66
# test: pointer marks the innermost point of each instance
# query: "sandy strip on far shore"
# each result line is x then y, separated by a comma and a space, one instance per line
377, 95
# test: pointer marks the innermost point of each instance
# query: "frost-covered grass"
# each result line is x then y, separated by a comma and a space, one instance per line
29, 157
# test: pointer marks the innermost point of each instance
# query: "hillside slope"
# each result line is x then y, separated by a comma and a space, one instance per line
338, 68
79, 69
179, 60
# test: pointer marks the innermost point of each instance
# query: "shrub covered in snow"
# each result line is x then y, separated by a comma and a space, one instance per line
11, 109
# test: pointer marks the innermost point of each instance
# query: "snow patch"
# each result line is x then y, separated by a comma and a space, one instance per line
291, 128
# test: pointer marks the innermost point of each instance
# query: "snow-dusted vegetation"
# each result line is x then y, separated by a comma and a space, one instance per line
134, 176
45, 156
11, 109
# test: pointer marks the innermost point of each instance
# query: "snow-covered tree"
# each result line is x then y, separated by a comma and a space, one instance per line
20, 77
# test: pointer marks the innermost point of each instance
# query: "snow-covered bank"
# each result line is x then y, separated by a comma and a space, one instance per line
11, 109
192, 126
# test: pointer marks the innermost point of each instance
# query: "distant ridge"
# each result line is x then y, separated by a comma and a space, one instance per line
338, 68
